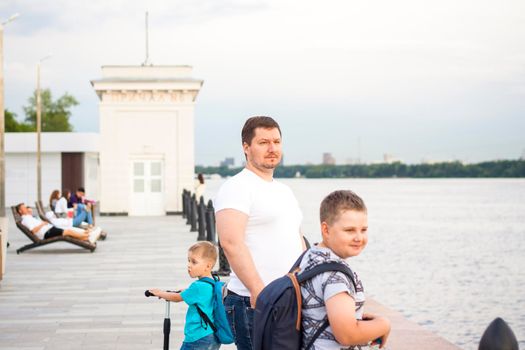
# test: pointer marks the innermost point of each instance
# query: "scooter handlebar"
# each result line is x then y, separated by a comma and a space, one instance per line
150, 294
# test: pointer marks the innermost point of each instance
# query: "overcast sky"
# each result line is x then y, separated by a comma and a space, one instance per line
434, 80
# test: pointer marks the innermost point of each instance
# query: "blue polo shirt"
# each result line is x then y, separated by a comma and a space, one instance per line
198, 293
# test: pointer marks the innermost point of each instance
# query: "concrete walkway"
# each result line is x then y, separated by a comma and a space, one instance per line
63, 297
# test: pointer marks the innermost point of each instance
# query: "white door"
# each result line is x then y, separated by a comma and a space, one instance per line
147, 185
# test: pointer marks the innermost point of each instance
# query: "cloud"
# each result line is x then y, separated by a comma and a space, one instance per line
408, 61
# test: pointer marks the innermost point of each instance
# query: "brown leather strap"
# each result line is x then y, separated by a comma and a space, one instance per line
297, 288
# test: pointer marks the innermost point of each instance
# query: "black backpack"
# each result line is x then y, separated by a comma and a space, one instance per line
277, 317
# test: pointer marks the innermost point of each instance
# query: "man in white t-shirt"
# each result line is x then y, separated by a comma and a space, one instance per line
45, 230
258, 222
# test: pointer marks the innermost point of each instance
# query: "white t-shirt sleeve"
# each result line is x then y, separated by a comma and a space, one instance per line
61, 206
28, 222
31, 222
233, 194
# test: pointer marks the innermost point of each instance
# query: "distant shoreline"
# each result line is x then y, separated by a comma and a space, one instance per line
492, 169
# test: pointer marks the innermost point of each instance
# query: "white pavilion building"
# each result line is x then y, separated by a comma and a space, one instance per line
139, 162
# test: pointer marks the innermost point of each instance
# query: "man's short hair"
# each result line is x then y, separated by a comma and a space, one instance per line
206, 249
18, 206
81, 189
338, 201
248, 130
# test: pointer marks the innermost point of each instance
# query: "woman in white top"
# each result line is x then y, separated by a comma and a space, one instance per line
61, 204
53, 199
200, 186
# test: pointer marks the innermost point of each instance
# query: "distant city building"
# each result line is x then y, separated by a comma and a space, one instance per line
328, 159
390, 158
352, 161
228, 162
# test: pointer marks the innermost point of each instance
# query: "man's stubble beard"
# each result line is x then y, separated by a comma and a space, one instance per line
267, 166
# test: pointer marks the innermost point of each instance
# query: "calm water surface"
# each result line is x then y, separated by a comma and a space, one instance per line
446, 253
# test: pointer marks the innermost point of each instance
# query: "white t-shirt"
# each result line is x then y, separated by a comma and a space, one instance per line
273, 228
318, 290
31, 222
61, 206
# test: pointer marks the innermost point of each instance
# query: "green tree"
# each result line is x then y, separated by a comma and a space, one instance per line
55, 114
13, 125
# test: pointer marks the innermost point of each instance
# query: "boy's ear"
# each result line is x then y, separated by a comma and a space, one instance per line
324, 228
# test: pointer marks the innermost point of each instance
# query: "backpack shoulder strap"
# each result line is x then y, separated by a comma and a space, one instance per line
202, 314
206, 319
306, 275
298, 262
207, 280
330, 266
317, 334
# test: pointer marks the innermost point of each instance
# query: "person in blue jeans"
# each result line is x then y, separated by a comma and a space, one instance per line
259, 225
197, 334
82, 214
82, 208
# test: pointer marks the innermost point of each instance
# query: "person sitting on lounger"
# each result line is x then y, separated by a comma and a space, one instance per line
61, 207
53, 199
81, 212
67, 223
45, 230
83, 208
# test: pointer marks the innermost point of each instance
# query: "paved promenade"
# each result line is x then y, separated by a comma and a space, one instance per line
63, 297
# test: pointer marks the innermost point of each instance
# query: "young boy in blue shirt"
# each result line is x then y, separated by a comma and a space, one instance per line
332, 295
197, 334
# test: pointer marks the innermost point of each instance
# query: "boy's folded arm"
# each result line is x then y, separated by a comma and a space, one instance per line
346, 329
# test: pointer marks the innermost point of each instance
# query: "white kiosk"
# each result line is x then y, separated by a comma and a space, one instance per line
146, 138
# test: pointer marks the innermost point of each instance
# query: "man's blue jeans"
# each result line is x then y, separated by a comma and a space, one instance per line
82, 214
240, 317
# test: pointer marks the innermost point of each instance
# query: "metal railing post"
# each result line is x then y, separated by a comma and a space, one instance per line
184, 204
210, 222
201, 211
193, 219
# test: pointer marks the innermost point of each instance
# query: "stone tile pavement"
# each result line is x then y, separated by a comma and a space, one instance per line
62, 297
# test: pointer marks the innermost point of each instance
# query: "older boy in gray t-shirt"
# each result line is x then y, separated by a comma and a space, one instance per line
331, 295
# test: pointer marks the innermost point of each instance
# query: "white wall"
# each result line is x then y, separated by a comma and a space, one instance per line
21, 177
91, 175
169, 136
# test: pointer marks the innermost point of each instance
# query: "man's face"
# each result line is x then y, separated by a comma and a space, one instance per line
23, 210
265, 150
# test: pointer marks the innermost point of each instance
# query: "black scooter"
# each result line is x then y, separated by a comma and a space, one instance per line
167, 321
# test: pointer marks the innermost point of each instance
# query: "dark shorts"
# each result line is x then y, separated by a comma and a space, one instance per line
53, 232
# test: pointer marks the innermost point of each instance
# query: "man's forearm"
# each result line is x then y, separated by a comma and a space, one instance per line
36, 229
241, 262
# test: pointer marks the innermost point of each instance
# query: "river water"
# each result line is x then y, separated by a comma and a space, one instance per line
447, 253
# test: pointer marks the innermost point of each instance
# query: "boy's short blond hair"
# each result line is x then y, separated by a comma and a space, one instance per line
337, 202
206, 249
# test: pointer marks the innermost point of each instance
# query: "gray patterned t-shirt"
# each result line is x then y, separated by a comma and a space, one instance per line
316, 291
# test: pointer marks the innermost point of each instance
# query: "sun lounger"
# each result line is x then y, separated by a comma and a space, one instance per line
40, 210
37, 242
42, 213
